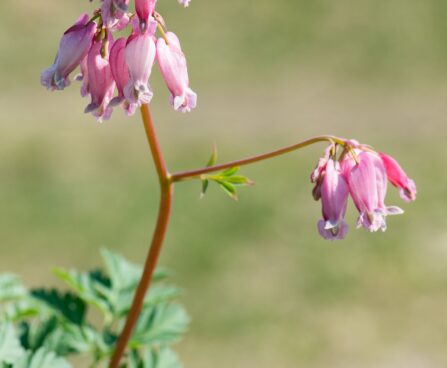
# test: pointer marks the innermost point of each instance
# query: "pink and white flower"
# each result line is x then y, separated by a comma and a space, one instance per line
367, 180
73, 47
398, 177
101, 83
83, 77
334, 201
120, 73
144, 9
140, 56
174, 70
318, 174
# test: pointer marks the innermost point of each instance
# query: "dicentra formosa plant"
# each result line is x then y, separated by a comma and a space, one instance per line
115, 73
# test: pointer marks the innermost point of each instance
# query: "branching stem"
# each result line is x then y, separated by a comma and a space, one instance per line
195, 174
167, 181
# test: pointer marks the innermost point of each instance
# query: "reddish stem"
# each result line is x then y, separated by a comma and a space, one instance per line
167, 190
196, 173
167, 181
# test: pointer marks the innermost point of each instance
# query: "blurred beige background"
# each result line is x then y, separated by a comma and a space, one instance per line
263, 289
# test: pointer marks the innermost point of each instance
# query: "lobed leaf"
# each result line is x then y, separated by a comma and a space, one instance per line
68, 305
160, 325
10, 349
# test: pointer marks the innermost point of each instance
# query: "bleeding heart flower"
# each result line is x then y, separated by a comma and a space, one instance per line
334, 200
398, 177
367, 182
73, 47
173, 68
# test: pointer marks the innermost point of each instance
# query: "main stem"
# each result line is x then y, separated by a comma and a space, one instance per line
164, 212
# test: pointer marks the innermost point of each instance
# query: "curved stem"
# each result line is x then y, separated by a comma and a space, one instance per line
167, 191
193, 174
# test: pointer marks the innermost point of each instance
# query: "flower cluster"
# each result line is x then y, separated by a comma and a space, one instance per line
363, 174
116, 72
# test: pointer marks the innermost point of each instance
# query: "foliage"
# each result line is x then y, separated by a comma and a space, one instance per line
43, 328
227, 179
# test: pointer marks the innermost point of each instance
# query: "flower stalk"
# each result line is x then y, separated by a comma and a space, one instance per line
196, 173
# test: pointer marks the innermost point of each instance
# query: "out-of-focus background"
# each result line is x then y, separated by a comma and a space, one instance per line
264, 290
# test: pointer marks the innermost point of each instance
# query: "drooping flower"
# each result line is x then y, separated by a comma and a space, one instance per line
140, 56
73, 47
174, 70
367, 180
120, 74
83, 77
101, 83
398, 177
114, 14
318, 174
144, 9
334, 200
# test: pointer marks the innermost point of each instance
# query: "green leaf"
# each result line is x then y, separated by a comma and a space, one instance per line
85, 286
230, 172
42, 358
123, 273
205, 184
22, 309
228, 188
37, 333
157, 294
10, 348
67, 305
160, 325
213, 159
211, 162
239, 180
11, 288
70, 338
164, 358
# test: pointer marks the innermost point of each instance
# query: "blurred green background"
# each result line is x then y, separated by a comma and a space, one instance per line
263, 289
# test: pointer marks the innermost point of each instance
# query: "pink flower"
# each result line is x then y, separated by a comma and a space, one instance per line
101, 83
398, 177
120, 73
140, 56
121, 5
114, 14
173, 68
334, 200
144, 9
83, 77
367, 182
73, 47
318, 174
